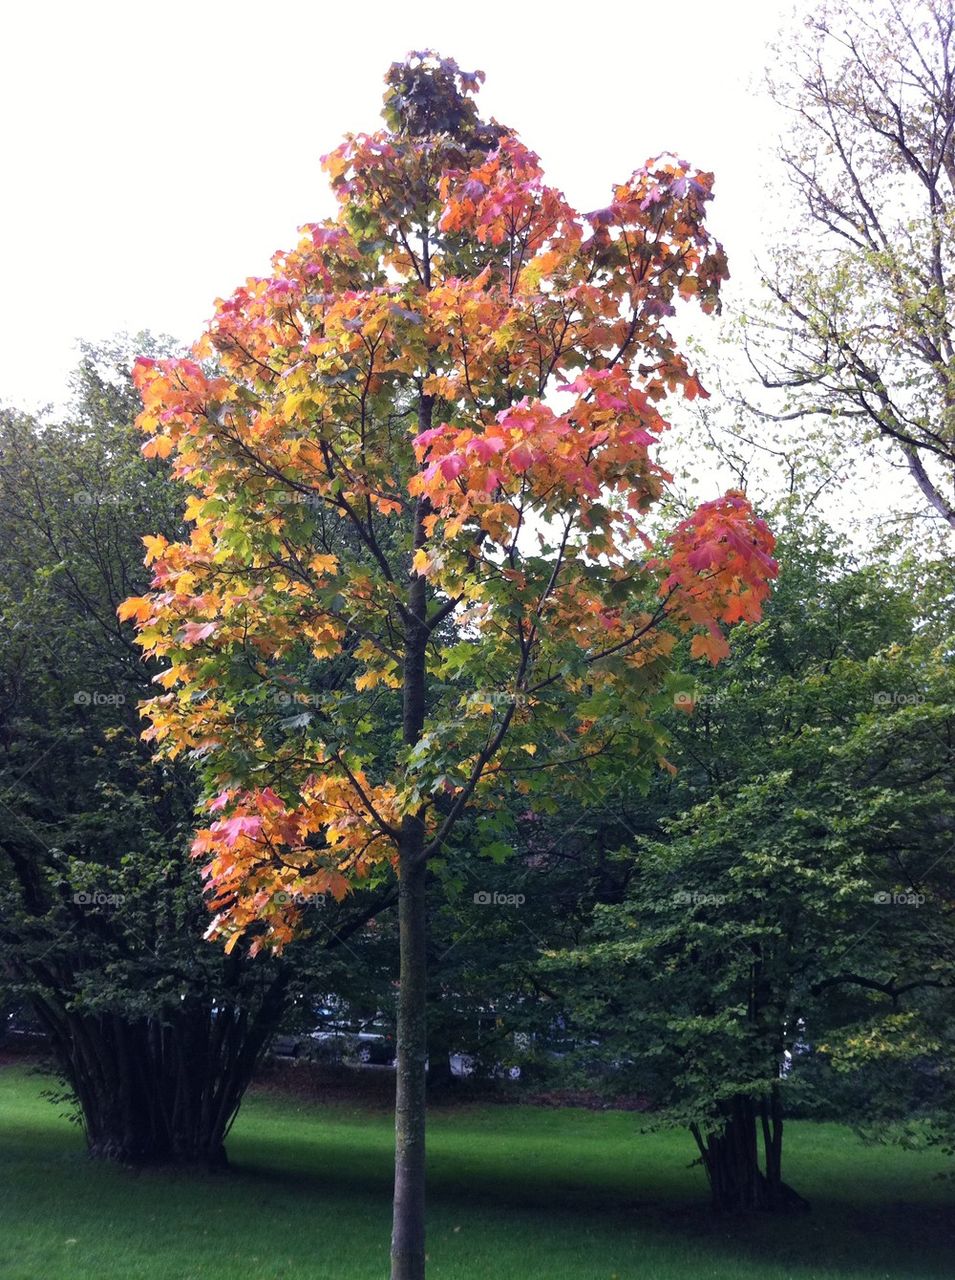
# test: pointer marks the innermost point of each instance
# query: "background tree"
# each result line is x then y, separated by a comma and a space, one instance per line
379, 475
803, 895
156, 1033
861, 332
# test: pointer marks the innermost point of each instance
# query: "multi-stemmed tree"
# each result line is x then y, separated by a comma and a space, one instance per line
797, 894
155, 1035
420, 459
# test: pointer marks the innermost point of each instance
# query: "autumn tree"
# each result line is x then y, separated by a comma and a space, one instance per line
862, 333
419, 452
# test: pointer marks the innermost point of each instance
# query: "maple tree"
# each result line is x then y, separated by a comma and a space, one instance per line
420, 459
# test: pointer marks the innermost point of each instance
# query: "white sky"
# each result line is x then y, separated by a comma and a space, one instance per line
155, 155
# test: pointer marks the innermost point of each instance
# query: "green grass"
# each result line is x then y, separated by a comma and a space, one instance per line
516, 1193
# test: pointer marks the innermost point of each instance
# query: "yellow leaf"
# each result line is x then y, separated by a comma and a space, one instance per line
293, 402
158, 447
155, 546
194, 504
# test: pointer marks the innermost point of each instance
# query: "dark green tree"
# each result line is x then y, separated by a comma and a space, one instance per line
156, 1032
801, 891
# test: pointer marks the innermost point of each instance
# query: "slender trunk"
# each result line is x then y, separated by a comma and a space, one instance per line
408, 1227
408, 1235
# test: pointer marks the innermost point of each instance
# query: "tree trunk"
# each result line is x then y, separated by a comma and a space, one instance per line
408, 1227
408, 1233
154, 1091
731, 1159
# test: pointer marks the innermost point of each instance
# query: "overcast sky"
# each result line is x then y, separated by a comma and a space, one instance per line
155, 155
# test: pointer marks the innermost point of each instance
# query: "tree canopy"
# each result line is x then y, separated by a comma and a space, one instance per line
419, 452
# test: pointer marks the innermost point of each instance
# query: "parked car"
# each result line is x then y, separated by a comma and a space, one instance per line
336, 1036
20, 1030
465, 1065
372, 1042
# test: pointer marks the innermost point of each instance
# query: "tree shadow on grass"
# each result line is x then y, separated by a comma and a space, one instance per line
911, 1240
559, 1186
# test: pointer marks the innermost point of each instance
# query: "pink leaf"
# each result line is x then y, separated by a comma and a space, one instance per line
233, 828
485, 447
193, 632
521, 457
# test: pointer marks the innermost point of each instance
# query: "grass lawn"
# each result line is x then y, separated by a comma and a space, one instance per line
516, 1193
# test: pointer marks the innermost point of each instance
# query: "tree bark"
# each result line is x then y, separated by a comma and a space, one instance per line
408, 1224
731, 1159
161, 1090
408, 1213
408, 1235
